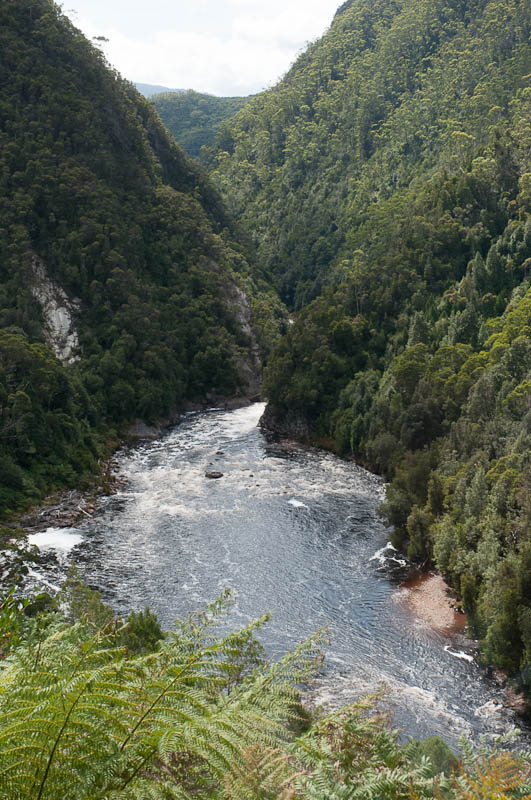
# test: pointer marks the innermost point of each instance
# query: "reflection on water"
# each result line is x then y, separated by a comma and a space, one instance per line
291, 530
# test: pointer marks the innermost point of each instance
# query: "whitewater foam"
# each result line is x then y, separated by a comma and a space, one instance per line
296, 503
459, 654
61, 539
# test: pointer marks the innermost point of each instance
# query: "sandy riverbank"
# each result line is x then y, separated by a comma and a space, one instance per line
430, 600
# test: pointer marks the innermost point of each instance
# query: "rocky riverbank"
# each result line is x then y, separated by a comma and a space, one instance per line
69, 509
66, 510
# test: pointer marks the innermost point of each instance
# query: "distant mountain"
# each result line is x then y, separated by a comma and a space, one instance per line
195, 118
148, 89
124, 294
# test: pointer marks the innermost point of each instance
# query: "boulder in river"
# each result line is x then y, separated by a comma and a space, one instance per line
213, 474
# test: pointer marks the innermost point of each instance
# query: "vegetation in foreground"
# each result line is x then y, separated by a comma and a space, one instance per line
91, 707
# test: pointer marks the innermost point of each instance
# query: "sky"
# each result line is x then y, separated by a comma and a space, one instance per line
223, 47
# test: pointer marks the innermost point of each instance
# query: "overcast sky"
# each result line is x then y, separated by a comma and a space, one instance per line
225, 47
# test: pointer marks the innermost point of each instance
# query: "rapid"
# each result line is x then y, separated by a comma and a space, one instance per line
291, 530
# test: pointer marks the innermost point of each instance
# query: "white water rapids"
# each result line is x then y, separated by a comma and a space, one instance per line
293, 531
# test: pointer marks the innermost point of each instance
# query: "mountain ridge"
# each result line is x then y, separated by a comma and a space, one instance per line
194, 118
150, 89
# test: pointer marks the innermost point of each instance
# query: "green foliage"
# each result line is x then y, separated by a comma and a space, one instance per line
82, 603
78, 719
45, 440
389, 96
351, 754
96, 196
441, 757
201, 716
11, 609
491, 775
141, 632
387, 176
194, 118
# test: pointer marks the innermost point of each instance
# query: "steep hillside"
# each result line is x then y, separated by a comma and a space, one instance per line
122, 294
388, 176
393, 91
195, 118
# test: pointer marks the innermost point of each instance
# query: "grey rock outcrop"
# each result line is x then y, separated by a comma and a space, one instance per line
58, 312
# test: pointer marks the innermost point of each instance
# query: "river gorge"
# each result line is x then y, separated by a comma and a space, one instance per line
291, 530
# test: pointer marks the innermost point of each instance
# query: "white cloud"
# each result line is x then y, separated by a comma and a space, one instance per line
191, 60
290, 22
230, 47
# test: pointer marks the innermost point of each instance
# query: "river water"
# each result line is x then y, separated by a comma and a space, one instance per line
290, 530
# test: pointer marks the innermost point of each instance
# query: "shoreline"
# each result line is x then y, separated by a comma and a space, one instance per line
429, 598
71, 507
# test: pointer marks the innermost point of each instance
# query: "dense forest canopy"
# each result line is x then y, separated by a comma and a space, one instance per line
391, 93
386, 182
194, 118
101, 211
385, 186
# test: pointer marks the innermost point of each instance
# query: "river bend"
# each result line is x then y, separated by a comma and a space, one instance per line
291, 530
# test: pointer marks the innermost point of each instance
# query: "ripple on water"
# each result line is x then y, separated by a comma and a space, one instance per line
294, 531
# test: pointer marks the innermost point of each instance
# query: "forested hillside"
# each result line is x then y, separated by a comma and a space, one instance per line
390, 94
195, 118
387, 179
122, 293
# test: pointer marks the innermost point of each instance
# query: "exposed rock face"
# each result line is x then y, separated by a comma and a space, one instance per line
291, 425
58, 312
248, 363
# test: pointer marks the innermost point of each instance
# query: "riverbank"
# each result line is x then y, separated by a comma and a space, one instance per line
431, 601
72, 507
427, 597
53, 505
68, 509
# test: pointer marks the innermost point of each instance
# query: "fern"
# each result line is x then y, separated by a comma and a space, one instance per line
351, 755
82, 721
502, 776
265, 774
203, 717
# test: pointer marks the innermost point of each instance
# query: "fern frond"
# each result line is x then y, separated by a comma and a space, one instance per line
503, 776
87, 721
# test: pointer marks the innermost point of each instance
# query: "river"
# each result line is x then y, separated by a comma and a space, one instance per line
291, 530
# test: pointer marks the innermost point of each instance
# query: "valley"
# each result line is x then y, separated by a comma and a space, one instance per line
344, 258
